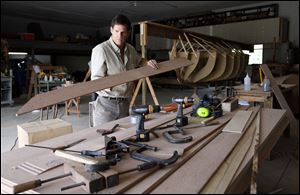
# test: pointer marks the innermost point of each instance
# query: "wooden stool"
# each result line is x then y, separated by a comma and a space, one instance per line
69, 106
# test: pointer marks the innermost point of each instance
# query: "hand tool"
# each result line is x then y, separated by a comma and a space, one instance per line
112, 177
173, 140
138, 155
82, 152
143, 135
207, 107
35, 183
173, 106
127, 142
91, 182
59, 147
181, 120
107, 131
113, 147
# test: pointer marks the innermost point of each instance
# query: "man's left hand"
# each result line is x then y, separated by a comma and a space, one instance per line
152, 63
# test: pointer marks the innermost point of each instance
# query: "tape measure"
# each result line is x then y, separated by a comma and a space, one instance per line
203, 112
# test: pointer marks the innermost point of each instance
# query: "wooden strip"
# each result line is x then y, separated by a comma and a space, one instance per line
224, 175
160, 30
210, 158
136, 91
238, 122
80, 89
253, 186
190, 45
152, 91
282, 101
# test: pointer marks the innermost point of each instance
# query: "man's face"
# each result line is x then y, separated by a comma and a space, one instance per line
119, 34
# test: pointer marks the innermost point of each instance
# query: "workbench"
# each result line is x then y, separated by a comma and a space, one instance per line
171, 179
256, 94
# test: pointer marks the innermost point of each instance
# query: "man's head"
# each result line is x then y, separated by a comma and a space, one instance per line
120, 30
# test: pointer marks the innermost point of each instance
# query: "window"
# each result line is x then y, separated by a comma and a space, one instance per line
256, 57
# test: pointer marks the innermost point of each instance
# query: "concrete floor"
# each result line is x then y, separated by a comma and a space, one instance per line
278, 175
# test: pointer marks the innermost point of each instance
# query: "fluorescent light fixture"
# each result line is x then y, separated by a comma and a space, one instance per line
17, 53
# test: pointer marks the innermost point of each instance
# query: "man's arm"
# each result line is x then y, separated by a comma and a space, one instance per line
88, 74
98, 66
151, 63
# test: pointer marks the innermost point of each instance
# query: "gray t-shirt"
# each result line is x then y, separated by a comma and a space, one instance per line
106, 60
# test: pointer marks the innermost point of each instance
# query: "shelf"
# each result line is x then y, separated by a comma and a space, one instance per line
6, 91
49, 47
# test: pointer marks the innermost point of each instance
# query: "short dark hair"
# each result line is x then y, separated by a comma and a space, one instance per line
121, 19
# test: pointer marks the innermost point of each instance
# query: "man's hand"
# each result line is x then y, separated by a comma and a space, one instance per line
152, 63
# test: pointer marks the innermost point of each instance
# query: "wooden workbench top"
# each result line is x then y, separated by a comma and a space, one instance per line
192, 163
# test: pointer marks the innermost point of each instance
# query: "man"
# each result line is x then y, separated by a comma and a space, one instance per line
113, 57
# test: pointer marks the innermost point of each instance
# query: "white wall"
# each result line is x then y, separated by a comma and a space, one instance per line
288, 10
54, 28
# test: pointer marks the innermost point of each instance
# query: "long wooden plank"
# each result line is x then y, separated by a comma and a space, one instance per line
273, 124
151, 182
80, 89
253, 186
222, 178
282, 101
210, 158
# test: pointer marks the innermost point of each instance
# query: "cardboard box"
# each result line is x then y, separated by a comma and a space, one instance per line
33, 132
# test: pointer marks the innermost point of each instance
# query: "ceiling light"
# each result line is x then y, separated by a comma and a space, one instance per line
17, 53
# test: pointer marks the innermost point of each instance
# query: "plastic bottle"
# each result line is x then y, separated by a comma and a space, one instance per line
266, 84
50, 78
46, 78
247, 83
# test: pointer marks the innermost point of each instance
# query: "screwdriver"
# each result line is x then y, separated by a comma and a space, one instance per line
35, 183
82, 152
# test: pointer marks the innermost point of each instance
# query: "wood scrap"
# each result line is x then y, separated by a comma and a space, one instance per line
238, 122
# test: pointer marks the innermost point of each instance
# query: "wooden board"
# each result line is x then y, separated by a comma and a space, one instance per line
238, 122
80, 89
219, 68
210, 158
189, 69
268, 124
283, 103
201, 73
224, 175
33, 132
236, 62
229, 67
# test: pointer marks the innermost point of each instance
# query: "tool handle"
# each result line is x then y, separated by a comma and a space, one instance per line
91, 153
146, 165
26, 186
